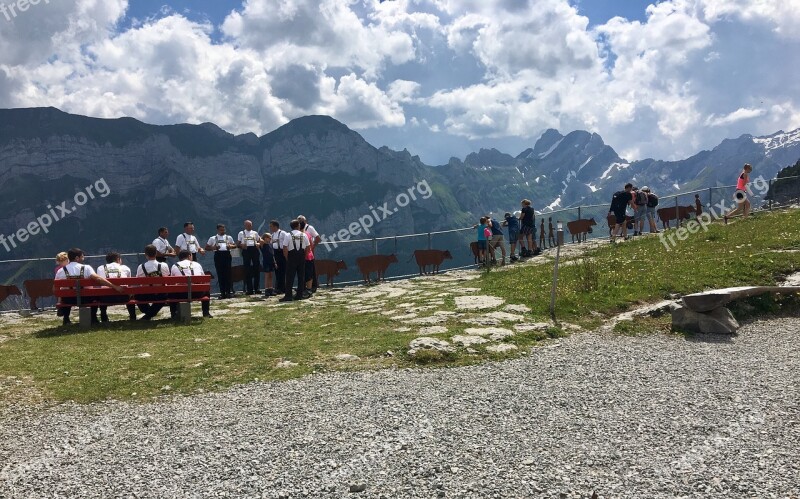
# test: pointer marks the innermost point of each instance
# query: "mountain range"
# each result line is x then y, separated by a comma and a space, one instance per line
163, 175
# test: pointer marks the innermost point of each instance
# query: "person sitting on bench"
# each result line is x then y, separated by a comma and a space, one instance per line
75, 269
184, 267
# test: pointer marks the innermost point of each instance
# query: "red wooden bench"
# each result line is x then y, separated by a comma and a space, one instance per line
87, 293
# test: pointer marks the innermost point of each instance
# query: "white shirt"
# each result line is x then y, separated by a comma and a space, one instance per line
296, 240
278, 237
311, 231
151, 266
161, 245
188, 267
220, 242
187, 242
74, 270
113, 269
248, 237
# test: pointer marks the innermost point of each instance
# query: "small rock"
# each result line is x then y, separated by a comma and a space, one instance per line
501, 348
361, 487
346, 357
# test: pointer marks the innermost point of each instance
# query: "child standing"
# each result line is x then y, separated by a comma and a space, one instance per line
268, 263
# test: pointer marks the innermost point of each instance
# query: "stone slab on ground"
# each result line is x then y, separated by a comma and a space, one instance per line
719, 321
493, 333
477, 302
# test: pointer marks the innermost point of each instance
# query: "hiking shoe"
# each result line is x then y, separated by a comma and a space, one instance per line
285, 299
513, 258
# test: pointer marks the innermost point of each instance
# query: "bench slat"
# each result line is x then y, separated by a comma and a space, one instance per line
711, 300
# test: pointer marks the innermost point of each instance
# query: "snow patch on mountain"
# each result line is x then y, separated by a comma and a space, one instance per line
552, 148
779, 140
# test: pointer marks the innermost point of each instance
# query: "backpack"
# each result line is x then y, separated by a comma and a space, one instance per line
497, 230
652, 200
641, 198
616, 201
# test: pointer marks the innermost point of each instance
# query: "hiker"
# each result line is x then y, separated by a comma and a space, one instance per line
513, 234
652, 202
496, 239
542, 244
551, 237
484, 234
619, 203
698, 207
741, 194
527, 220
639, 210
249, 243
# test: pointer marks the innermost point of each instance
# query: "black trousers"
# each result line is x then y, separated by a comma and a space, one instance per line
151, 309
222, 262
280, 271
295, 265
114, 299
250, 257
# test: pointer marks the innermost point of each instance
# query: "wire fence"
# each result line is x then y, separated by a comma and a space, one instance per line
33, 276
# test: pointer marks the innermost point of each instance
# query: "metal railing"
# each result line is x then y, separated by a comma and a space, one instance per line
403, 245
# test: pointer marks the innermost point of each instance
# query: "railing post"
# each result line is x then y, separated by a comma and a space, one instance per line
677, 213
579, 212
429, 240
375, 245
710, 201
771, 194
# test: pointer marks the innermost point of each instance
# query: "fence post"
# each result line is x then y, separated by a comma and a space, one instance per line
710, 201
677, 212
395, 245
429, 240
771, 194
375, 245
579, 212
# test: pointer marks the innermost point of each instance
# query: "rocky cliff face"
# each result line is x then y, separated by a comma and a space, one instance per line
165, 175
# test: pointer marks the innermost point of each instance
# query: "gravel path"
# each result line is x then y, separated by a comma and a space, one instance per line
653, 416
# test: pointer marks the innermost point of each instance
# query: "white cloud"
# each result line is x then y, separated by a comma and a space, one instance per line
738, 115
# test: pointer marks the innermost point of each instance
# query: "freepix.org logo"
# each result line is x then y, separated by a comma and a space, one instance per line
13, 9
378, 214
54, 214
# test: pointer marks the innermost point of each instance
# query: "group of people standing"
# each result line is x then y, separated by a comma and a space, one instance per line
284, 255
521, 230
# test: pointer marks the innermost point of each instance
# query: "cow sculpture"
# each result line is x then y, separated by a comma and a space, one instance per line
612, 222
375, 263
580, 228
432, 257
473, 246
11, 290
329, 268
38, 288
667, 214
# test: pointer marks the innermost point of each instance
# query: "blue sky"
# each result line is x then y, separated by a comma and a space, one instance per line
440, 78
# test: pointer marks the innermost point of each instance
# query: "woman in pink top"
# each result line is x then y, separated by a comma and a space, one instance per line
310, 268
743, 204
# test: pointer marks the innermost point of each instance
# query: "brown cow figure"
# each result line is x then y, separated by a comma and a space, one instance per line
11, 290
38, 288
329, 268
667, 214
237, 274
612, 222
580, 228
473, 246
433, 258
375, 263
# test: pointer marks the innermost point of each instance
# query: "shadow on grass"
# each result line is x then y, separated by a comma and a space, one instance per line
120, 326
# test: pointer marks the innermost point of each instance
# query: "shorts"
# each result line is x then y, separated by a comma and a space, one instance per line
268, 265
651, 212
497, 238
528, 229
309, 270
513, 235
482, 244
619, 216
639, 213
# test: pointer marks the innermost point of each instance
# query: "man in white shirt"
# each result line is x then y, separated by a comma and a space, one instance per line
151, 268
113, 268
75, 269
250, 242
162, 245
278, 237
188, 241
315, 240
294, 250
221, 245
185, 266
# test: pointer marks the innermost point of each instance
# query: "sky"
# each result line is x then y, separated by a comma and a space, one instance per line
441, 78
